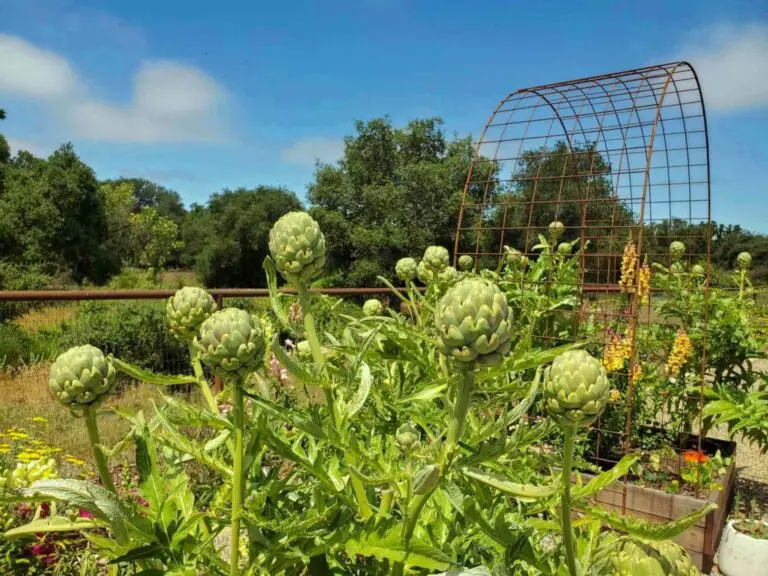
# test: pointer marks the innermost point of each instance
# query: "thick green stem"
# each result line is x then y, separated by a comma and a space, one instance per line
98, 455
742, 277
237, 478
455, 429
309, 325
569, 434
202, 382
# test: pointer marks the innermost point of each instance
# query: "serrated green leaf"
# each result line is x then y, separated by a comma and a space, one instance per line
389, 545
50, 525
357, 402
294, 368
645, 529
150, 377
274, 296
183, 414
606, 478
425, 394
523, 492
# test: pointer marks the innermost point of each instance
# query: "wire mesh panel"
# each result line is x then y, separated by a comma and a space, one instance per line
621, 163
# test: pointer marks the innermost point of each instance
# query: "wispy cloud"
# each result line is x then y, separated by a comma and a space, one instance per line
35, 148
731, 61
308, 151
172, 102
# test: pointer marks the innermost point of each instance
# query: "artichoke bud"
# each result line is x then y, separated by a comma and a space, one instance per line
82, 376
466, 262
425, 273
629, 556
576, 388
556, 230
405, 269
297, 246
436, 258
231, 342
407, 437
448, 275
474, 322
372, 307
744, 260
676, 250
303, 350
426, 479
564, 248
698, 271
187, 309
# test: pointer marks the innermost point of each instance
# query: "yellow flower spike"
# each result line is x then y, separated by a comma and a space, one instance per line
682, 348
614, 395
644, 283
628, 264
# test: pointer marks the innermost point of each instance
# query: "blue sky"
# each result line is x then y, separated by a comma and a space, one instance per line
200, 96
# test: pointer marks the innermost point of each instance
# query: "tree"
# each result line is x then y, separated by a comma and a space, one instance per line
119, 205
148, 194
228, 240
394, 192
155, 238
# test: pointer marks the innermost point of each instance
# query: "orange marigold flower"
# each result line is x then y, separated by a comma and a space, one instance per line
695, 456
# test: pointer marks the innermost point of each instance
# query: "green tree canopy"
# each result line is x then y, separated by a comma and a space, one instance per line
149, 194
227, 240
394, 192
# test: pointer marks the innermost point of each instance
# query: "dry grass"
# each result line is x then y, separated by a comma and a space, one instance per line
47, 317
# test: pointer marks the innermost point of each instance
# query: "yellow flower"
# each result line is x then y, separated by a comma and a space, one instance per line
644, 283
628, 264
613, 354
682, 348
614, 395
4, 448
28, 456
636, 374
74, 460
39, 420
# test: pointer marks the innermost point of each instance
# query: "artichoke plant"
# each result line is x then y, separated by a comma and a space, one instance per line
407, 437
372, 307
405, 269
744, 260
425, 273
627, 556
436, 258
297, 246
698, 271
556, 229
231, 342
466, 262
676, 250
448, 275
564, 248
82, 376
576, 388
474, 322
187, 309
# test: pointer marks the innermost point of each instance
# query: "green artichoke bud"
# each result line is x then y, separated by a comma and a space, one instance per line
556, 230
425, 273
187, 309
231, 342
426, 479
466, 262
627, 556
303, 350
407, 437
448, 275
677, 250
82, 376
372, 307
576, 388
436, 258
744, 260
564, 248
515, 258
297, 246
406, 269
698, 271
474, 322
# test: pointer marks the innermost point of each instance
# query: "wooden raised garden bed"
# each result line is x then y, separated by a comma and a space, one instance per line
702, 540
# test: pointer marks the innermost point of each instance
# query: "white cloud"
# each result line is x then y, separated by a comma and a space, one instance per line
171, 102
38, 150
307, 151
31, 72
732, 64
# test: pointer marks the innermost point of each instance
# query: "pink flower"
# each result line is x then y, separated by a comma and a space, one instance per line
85, 514
25, 509
274, 367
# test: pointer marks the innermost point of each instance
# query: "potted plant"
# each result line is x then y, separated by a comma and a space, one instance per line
745, 542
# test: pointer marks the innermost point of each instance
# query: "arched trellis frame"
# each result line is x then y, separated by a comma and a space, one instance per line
620, 159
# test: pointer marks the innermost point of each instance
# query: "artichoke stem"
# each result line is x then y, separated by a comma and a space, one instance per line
206, 390
98, 455
237, 479
742, 277
413, 303
569, 433
309, 325
460, 409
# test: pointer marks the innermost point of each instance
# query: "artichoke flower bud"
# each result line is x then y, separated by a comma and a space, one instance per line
426, 479
698, 271
635, 557
576, 388
407, 437
677, 250
744, 260
231, 342
514, 258
297, 246
425, 273
564, 248
187, 309
450, 274
82, 376
556, 230
474, 322
303, 350
466, 262
372, 307
436, 258
405, 269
